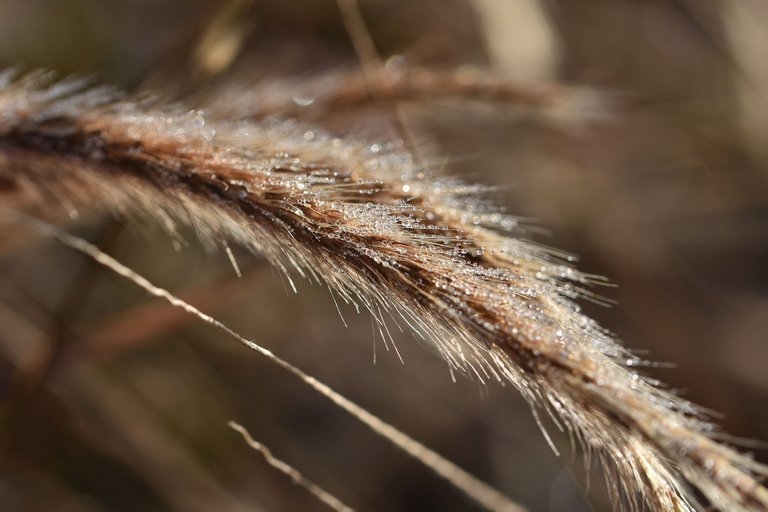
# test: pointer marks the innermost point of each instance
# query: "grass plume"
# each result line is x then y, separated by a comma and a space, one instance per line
386, 235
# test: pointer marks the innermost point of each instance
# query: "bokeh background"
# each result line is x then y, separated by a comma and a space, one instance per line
654, 172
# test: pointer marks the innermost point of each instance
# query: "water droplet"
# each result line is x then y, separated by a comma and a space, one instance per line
303, 101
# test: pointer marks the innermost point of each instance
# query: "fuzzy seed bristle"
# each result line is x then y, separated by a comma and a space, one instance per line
388, 236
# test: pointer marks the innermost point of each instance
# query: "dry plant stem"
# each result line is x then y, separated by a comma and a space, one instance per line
376, 79
147, 323
386, 235
483, 494
295, 476
361, 39
38, 364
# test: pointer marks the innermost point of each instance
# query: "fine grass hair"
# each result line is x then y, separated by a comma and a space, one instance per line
388, 235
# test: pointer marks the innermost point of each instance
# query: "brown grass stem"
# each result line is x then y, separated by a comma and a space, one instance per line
296, 477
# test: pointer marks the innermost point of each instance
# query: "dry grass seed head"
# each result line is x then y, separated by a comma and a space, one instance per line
387, 235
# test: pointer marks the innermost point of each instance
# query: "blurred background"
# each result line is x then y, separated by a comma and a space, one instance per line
652, 167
